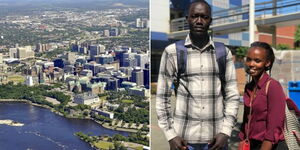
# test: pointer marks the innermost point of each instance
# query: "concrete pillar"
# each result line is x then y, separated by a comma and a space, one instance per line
273, 28
274, 5
251, 21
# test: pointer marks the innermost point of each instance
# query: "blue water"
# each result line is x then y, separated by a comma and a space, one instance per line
44, 130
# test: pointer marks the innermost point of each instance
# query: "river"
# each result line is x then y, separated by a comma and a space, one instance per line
44, 130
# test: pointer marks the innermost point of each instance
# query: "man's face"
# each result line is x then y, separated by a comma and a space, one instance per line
199, 19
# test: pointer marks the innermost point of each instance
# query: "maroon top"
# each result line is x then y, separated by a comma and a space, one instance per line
268, 111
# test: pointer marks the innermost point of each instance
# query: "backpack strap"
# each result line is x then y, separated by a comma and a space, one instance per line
267, 86
181, 52
221, 55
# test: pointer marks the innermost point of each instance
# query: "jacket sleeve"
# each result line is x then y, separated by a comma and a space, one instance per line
232, 97
163, 95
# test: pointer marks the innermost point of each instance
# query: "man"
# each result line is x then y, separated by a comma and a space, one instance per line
203, 118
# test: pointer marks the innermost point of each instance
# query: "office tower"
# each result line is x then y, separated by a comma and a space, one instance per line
41, 77
146, 78
141, 60
1, 58
29, 81
129, 60
137, 76
38, 47
138, 23
71, 57
83, 50
25, 52
59, 63
13, 53
106, 33
114, 31
119, 56
96, 50
105, 59
75, 48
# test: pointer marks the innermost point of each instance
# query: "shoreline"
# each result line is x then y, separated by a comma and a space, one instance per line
58, 113
11, 123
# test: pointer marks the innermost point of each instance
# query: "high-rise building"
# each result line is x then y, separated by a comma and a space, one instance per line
83, 50
75, 48
96, 50
119, 56
13, 53
41, 76
59, 63
139, 23
137, 76
112, 84
1, 58
38, 47
105, 59
71, 57
127, 71
141, 60
25, 52
114, 31
29, 80
129, 60
106, 33
146, 78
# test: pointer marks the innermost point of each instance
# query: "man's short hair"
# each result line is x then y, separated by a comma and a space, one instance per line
186, 11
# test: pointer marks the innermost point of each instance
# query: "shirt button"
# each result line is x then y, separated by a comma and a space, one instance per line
203, 107
202, 80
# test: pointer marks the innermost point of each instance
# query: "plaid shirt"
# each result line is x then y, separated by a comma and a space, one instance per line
199, 102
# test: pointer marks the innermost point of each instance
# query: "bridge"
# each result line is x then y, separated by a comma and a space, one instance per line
268, 16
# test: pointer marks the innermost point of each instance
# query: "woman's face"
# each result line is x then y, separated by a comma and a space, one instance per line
256, 61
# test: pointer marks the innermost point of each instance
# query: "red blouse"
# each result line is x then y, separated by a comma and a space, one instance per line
268, 111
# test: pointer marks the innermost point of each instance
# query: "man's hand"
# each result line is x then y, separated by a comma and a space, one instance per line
177, 143
219, 141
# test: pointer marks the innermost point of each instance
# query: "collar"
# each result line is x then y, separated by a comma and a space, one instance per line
209, 46
265, 77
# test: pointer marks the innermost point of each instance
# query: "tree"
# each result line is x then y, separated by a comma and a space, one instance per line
283, 47
241, 53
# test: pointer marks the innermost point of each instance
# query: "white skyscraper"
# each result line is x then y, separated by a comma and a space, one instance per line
29, 81
1, 58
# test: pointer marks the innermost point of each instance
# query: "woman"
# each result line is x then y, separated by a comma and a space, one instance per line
264, 125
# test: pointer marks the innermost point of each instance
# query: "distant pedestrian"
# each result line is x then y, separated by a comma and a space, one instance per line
204, 116
264, 113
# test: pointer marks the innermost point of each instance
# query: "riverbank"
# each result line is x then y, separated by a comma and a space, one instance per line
105, 125
11, 123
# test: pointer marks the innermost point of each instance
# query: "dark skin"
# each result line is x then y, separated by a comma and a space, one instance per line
199, 19
256, 61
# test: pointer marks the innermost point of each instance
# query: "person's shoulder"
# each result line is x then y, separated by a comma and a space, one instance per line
171, 48
274, 82
226, 47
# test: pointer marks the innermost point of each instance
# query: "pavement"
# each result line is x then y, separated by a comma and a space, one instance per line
159, 142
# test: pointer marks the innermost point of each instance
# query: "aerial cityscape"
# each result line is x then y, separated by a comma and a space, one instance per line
80, 60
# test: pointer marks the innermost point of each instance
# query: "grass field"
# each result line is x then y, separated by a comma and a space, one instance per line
16, 79
104, 145
103, 97
127, 101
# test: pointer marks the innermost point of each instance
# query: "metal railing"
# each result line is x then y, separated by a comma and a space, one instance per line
238, 14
